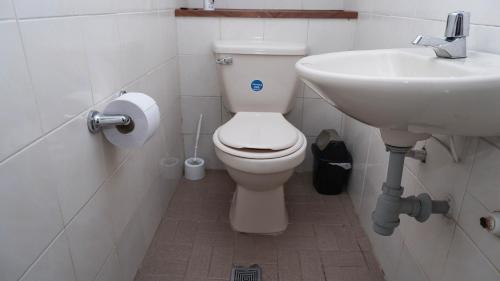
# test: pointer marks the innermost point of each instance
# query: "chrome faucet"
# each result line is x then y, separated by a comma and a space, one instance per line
454, 44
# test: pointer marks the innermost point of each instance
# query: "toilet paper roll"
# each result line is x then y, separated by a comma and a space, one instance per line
145, 116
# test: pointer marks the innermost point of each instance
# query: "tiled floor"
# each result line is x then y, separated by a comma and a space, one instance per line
323, 242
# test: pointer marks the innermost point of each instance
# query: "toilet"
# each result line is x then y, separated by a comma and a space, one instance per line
258, 146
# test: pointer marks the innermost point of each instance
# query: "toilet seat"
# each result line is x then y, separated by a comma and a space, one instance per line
258, 130
258, 135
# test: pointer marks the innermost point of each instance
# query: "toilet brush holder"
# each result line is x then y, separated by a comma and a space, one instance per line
194, 169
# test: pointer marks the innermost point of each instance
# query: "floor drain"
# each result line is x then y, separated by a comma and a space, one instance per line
240, 273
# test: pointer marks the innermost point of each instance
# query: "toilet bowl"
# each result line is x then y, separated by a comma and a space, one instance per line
258, 146
259, 170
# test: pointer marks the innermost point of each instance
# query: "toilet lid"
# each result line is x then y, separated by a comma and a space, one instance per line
258, 153
258, 130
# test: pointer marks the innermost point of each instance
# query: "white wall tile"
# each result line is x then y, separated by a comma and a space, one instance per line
173, 88
307, 164
295, 115
372, 32
435, 10
135, 5
29, 210
289, 30
192, 107
430, 27
408, 269
150, 210
90, 237
323, 4
310, 93
482, 12
124, 191
226, 114
6, 9
56, 58
363, 6
365, 33
484, 178
283, 4
444, 178
488, 243
326, 36
131, 248
239, 4
388, 251
465, 262
79, 158
102, 45
172, 125
151, 155
85, 7
164, 37
169, 4
403, 8
195, 3
42, 8
197, 35
54, 264
16, 94
198, 75
484, 38
357, 138
319, 115
242, 29
137, 41
111, 270
376, 170
172, 168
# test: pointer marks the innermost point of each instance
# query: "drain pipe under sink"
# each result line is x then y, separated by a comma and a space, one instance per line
390, 204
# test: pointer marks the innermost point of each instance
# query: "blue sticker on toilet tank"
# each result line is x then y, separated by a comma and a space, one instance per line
257, 85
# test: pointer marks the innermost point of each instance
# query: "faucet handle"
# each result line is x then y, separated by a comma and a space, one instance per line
457, 24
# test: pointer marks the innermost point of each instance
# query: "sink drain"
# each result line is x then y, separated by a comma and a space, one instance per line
252, 273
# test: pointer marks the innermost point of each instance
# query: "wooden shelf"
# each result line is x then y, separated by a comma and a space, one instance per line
252, 13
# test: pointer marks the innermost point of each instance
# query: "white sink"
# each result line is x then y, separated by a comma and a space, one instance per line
410, 93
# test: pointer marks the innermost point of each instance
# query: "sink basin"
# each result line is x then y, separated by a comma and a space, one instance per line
410, 93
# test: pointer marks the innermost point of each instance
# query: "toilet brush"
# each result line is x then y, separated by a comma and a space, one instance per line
194, 168
198, 129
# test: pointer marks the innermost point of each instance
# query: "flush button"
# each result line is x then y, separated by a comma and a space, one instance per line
257, 85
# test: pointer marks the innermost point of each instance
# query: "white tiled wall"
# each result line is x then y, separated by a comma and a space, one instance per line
271, 4
201, 88
72, 206
454, 248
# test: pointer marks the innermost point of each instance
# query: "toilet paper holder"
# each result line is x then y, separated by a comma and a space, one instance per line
96, 121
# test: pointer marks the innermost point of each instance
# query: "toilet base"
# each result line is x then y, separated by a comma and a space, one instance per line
260, 212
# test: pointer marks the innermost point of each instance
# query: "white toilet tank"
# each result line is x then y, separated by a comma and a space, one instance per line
258, 76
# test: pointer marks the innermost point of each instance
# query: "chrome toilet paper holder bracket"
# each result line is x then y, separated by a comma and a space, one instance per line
96, 121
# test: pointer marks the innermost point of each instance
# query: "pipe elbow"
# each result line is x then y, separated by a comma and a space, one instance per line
386, 215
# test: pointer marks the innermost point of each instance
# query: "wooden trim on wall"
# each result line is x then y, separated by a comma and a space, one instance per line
254, 13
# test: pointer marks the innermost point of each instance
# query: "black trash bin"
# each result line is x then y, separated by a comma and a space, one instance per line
332, 163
